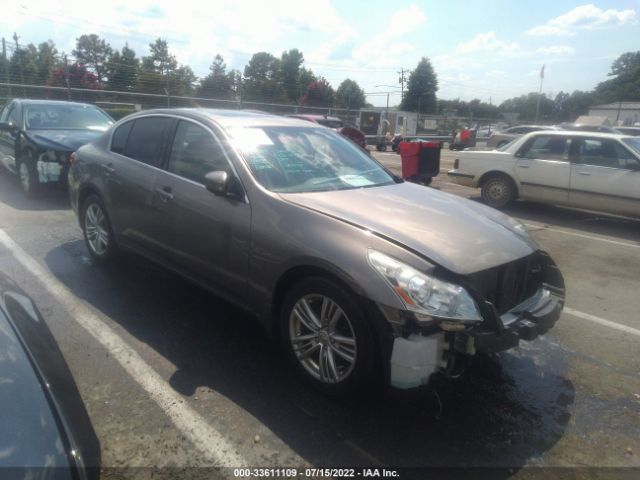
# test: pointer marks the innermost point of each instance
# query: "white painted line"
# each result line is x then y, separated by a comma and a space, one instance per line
204, 437
582, 235
602, 321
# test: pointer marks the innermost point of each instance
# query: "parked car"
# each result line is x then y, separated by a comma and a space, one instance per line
595, 171
499, 139
578, 127
633, 131
37, 137
352, 133
46, 432
358, 272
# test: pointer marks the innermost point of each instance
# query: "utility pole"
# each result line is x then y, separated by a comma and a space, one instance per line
6, 66
401, 81
15, 37
540, 92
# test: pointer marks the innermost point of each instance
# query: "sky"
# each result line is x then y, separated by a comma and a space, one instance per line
491, 50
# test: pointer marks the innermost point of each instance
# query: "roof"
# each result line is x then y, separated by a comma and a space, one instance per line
578, 133
227, 118
617, 105
312, 117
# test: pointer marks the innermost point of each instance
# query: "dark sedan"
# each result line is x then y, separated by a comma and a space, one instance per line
45, 430
358, 272
37, 137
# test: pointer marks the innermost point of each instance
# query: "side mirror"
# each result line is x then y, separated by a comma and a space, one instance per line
221, 183
8, 127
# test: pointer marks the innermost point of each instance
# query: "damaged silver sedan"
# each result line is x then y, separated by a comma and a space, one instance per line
357, 272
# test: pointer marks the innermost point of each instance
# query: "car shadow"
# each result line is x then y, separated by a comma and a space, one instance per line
51, 198
505, 412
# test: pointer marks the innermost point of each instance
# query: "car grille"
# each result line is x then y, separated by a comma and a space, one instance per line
510, 284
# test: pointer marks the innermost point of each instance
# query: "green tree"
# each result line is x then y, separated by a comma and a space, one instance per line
262, 79
525, 107
350, 95
160, 60
218, 84
23, 66
319, 94
568, 107
47, 60
421, 89
93, 51
122, 70
625, 82
291, 64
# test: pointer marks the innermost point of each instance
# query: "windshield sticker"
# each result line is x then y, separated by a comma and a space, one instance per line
356, 180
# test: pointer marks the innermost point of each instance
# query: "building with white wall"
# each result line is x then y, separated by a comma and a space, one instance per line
618, 113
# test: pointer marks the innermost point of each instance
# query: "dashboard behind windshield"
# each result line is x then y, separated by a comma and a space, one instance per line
295, 160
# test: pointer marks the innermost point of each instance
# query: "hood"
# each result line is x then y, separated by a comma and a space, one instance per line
460, 235
62, 140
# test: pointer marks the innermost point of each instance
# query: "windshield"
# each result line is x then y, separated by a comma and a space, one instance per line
296, 160
47, 117
633, 143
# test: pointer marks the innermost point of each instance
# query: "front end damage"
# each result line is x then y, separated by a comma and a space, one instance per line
52, 166
518, 301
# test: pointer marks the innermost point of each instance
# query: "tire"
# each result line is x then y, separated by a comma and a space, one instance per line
336, 338
28, 175
498, 191
97, 231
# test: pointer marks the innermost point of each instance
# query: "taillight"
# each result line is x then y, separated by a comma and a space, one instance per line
72, 158
456, 164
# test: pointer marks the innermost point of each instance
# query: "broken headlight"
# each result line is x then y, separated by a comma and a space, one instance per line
424, 294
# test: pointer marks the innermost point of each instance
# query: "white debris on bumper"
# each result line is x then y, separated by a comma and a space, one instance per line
48, 171
414, 359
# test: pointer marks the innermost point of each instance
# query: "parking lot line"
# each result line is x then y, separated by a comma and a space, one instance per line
602, 321
582, 235
203, 436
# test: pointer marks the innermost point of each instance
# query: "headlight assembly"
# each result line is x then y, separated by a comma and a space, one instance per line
424, 294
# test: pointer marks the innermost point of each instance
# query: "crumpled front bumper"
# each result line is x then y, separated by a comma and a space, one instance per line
526, 321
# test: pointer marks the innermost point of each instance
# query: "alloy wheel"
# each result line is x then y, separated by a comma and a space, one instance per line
97, 230
323, 338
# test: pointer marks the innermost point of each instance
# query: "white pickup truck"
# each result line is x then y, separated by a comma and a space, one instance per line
594, 171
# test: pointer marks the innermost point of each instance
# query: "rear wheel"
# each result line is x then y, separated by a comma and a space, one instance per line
326, 336
498, 191
28, 173
97, 231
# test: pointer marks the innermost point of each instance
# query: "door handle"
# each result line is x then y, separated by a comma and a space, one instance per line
165, 193
584, 173
108, 167
523, 166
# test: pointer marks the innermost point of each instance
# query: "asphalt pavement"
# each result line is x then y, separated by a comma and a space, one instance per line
173, 377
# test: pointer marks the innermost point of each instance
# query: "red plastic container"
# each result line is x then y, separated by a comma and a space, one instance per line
420, 160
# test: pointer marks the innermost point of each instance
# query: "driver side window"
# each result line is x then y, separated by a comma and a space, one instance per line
195, 152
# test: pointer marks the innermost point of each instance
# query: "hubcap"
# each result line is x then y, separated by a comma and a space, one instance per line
497, 190
24, 177
322, 338
95, 224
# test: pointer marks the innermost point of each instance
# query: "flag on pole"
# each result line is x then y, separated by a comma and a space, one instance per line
542, 72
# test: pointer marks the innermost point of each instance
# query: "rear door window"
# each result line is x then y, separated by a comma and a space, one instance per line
548, 147
146, 140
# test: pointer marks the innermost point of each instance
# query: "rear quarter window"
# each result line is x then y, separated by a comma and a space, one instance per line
119, 138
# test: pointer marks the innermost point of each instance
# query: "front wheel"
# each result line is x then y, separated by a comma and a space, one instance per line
326, 336
28, 173
498, 191
97, 231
